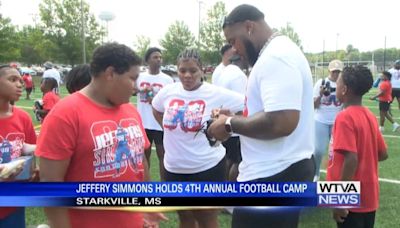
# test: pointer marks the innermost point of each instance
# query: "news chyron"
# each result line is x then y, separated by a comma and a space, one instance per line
338, 193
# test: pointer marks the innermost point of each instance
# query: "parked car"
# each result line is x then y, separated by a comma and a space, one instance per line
24, 70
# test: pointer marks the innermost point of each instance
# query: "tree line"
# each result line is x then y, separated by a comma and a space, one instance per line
57, 36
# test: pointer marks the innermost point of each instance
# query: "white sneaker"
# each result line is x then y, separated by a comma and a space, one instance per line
396, 127
381, 129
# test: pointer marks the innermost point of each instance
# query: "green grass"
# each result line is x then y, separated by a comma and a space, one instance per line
311, 217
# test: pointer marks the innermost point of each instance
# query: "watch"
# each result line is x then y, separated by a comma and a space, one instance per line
228, 125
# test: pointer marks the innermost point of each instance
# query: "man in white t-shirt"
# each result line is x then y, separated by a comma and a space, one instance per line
226, 52
395, 72
149, 84
233, 78
326, 107
277, 127
50, 72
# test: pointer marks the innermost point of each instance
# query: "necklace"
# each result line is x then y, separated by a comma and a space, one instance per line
275, 34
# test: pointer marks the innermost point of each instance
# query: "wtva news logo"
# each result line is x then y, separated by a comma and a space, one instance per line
338, 193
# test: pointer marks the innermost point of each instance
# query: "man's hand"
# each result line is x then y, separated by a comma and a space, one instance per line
339, 214
216, 112
151, 220
217, 128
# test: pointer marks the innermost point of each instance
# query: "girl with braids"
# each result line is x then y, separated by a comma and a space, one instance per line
182, 109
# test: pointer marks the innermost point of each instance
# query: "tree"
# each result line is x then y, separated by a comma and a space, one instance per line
177, 38
141, 45
288, 30
211, 36
34, 45
8, 41
63, 26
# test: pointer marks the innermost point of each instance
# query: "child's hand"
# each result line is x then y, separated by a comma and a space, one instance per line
151, 220
339, 214
9, 175
372, 98
35, 176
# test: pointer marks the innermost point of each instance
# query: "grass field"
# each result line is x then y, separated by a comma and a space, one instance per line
311, 217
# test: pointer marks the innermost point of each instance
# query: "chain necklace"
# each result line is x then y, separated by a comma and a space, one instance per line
275, 34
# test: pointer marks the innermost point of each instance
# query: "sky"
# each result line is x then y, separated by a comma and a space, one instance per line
321, 24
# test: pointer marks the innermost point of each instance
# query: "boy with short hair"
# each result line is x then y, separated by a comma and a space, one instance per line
16, 129
28, 83
356, 147
50, 98
385, 98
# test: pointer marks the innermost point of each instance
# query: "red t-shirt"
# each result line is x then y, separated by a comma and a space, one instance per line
386, 87
103, 144
356, 131
14, 131
28, 81
49, 100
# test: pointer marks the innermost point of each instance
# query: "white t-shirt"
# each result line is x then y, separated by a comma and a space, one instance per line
329, 107
53, 73
217, 72
184, 113
395, 78
157, 82
232, 78
280, 80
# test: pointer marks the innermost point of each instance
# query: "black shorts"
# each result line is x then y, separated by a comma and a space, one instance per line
28, 90
384, 106
303, 170
216, 173
395, 93
232, 146
156, 136
358, 220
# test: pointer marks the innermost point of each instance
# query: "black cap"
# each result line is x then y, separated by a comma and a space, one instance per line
242, 13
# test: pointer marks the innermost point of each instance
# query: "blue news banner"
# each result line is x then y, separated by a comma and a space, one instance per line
187, 194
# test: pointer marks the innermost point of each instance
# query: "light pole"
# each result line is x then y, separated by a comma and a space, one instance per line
83, 35
337, 38
198, 34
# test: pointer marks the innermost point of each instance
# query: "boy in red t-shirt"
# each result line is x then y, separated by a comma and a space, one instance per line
356, 147
102, 139
16, 129
385, 98
50, 98
29, 85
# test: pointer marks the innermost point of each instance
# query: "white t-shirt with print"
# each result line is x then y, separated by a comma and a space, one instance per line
329, 107
184, 114
157, 82
217, 72
280, 80
395, 78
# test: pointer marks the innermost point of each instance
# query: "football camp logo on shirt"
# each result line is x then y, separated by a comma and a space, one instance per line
329, 100
148, 90
188, 116
11, 146
118, 147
